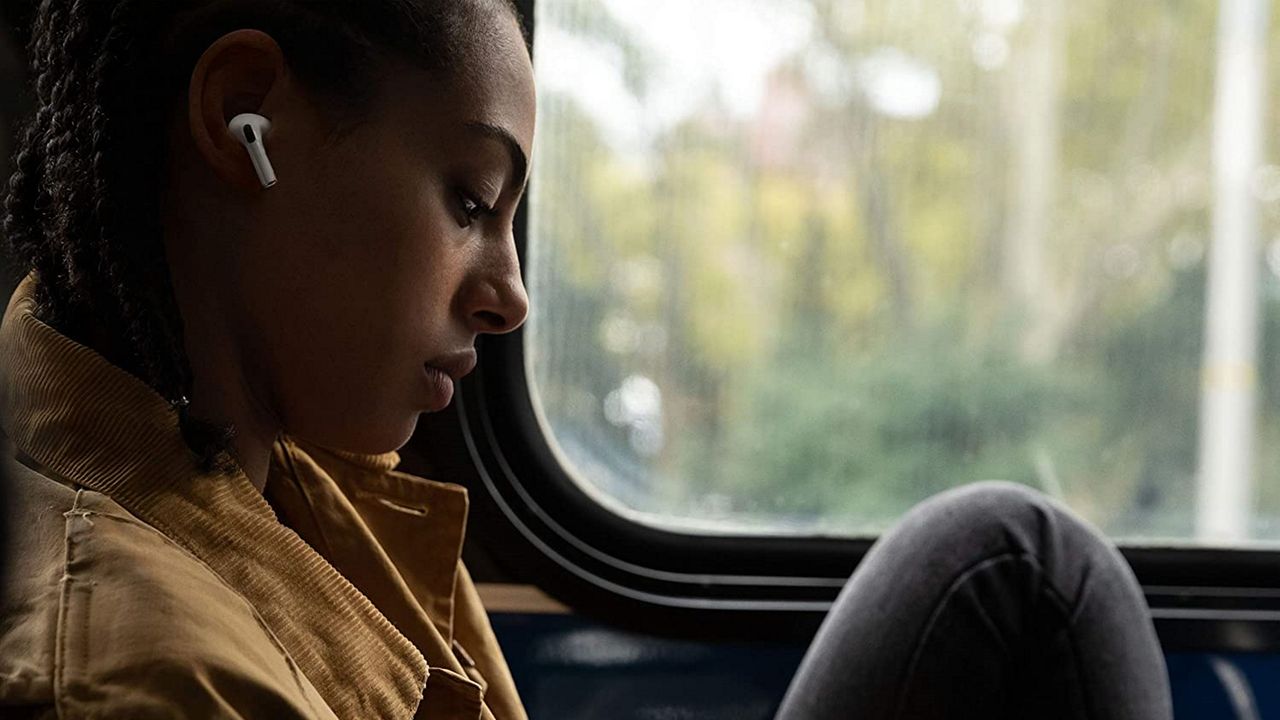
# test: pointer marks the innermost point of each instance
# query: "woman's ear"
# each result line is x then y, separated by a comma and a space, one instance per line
242, 71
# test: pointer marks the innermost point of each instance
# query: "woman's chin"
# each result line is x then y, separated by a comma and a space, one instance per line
373, 437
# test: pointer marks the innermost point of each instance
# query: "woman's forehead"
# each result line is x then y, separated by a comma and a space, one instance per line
496, 99
496, 86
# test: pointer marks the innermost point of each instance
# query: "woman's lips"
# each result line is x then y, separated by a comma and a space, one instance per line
439, 388
455, 364
442, 372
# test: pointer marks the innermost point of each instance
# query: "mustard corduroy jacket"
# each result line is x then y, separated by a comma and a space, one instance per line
140, 586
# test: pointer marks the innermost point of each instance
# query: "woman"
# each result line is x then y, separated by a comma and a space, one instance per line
207, 379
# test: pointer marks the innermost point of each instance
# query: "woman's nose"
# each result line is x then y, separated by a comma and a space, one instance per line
500, 301
505, 314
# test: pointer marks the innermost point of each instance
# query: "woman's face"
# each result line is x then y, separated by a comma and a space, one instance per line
377, 260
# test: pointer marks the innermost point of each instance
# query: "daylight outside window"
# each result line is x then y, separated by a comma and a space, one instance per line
796, 265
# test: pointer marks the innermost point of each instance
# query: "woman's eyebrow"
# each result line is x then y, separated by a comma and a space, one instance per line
519, 161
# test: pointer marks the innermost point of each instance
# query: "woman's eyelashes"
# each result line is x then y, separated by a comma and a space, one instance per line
473, 208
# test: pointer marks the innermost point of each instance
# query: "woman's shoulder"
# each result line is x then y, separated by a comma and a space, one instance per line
104, 612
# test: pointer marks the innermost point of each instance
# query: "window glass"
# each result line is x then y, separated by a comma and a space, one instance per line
796, 265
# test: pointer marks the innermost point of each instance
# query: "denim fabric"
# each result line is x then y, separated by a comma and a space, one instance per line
990, 601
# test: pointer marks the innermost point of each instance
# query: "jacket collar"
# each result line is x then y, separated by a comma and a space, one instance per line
372, 524
91, 423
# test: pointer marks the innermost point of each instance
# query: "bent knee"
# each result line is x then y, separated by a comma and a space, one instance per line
980, 502
990, 515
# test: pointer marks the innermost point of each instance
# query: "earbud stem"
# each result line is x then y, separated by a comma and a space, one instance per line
266, 174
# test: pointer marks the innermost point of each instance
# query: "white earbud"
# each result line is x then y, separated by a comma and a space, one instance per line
251, 129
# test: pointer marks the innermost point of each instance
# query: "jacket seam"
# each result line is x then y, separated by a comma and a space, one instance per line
64, 604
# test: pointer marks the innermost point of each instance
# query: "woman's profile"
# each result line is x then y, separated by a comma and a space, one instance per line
208, 374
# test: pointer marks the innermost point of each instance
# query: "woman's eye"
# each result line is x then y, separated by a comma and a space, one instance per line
472, 209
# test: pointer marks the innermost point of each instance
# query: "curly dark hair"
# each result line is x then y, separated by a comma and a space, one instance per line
84, 200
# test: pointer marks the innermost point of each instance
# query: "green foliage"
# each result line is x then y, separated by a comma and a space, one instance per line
848, 444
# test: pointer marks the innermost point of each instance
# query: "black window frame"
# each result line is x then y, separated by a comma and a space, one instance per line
534, 522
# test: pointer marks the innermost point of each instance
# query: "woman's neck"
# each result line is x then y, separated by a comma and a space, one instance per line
225, 390
223, 393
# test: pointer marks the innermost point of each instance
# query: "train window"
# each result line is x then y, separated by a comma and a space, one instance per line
796, 265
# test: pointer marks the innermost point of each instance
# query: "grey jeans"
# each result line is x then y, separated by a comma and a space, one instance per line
990, 601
